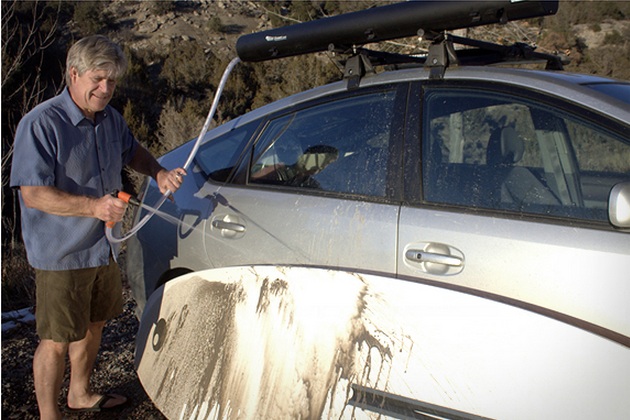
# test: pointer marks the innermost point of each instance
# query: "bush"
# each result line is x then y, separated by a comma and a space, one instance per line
215, 24
91, 18
186, 66
613, 38
162, 7
178, 125
18, 279
136, 122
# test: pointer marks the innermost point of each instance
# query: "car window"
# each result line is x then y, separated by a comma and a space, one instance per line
329, 147
494, 151
216, 158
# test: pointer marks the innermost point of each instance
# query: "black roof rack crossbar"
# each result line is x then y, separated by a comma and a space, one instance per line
362, 62
442, 54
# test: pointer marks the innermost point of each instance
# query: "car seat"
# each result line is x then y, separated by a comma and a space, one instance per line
512, 184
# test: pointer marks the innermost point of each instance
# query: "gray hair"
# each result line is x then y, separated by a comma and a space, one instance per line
96, 52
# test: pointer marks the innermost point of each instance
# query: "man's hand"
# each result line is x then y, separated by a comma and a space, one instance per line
109, 208
170, 180
146, 164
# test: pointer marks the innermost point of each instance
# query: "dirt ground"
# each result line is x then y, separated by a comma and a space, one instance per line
114, 372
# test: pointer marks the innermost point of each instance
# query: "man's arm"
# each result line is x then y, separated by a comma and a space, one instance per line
55, 201
146, 164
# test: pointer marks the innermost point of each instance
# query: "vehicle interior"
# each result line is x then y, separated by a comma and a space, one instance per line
498, 152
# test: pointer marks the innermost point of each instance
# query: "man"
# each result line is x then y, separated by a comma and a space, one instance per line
68, 156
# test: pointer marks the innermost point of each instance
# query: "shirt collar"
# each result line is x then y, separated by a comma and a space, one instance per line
75, 113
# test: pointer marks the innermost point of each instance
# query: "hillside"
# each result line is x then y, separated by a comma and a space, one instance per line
196, 22
595, 36
213, 25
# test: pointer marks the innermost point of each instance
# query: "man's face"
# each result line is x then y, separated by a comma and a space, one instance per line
92, 90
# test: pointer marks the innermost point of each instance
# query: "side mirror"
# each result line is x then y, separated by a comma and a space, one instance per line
619, 205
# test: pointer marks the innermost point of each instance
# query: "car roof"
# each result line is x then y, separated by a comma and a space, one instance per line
569, 86
573, 87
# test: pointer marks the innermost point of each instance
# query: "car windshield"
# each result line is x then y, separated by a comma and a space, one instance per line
620, 91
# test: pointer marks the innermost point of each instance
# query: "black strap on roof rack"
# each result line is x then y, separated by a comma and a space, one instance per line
517, 52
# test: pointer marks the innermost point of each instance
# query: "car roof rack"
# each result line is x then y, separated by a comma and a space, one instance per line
394, 21
359, 62
427, 18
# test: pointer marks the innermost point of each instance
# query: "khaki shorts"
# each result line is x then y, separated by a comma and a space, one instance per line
68, 301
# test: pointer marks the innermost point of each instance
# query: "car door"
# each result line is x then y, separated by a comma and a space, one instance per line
319, 188
512, 204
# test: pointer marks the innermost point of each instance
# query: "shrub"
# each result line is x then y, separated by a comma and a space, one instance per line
613, 37
91, 18
186, 66
178, 125
136, 121
163, 7
18, 279
215, 24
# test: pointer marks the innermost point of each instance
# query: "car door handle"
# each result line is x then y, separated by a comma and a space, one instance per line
221, 224
435, 258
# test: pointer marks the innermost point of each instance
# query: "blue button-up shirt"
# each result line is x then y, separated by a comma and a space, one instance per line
56, 145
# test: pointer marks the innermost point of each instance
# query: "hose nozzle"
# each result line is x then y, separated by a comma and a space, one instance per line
127, 198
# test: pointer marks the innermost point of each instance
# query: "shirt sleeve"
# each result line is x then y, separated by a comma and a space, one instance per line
34, 152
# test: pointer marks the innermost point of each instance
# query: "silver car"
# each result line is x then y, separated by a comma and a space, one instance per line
486, 213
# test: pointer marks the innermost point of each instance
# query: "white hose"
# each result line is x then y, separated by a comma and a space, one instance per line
108, 231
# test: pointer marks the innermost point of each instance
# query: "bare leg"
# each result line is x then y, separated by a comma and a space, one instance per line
82, 357
49, 364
